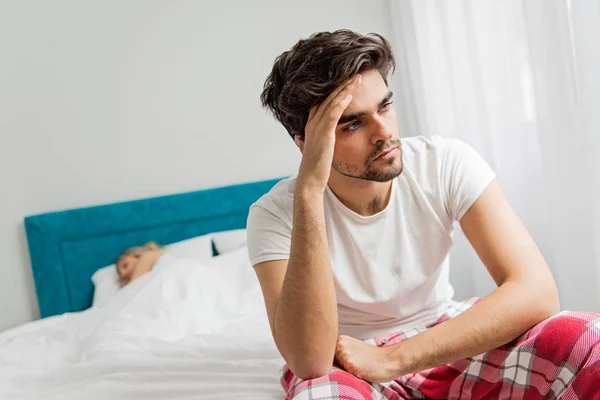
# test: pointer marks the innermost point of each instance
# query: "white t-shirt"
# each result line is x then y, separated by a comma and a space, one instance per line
391, 269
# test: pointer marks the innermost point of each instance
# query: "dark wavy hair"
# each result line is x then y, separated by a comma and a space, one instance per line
305, 75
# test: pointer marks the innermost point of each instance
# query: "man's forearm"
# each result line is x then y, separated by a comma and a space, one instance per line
306, 323
499, 318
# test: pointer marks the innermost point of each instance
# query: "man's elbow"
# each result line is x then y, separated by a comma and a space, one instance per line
309, 364
307, 370
309, 361
552, 302
547, 301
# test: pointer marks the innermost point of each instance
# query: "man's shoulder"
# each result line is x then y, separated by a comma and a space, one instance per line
423, 145
280, 198
426, 157
428, 162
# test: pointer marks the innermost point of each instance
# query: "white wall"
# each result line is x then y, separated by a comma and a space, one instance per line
116, 100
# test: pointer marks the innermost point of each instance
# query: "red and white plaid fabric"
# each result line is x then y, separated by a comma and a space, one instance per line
558, 358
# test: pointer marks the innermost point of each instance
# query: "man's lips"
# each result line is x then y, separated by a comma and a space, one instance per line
387, 154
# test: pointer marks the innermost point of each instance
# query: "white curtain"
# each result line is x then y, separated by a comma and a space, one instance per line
520, 81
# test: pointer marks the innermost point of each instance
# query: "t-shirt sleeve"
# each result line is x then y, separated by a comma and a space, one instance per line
464, 176
269, 237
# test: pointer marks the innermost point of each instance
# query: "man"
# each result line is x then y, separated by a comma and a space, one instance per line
352, 253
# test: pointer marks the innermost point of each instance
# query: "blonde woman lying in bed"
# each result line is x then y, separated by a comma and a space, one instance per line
137, 261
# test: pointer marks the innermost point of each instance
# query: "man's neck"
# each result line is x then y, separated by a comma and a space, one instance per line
361, 196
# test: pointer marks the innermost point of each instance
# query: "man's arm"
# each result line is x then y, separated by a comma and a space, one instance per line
300, 299
525, 296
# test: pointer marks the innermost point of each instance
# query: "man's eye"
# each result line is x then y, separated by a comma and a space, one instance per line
386, 106
352, 127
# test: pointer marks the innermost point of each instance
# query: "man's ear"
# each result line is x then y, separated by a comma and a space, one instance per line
300, 143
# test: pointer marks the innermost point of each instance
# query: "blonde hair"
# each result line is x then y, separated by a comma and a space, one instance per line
138, 251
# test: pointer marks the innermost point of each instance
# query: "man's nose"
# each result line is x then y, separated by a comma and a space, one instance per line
379, 130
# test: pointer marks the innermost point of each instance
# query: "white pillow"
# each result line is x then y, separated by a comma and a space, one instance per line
227, 293
196, 248
106, 279
229, 241
106, 285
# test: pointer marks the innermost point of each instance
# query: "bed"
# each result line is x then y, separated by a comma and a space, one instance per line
191, 329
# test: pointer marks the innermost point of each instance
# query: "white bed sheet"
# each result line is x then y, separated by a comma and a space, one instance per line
187, 330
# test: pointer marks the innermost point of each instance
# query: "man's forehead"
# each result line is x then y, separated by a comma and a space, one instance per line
368, 100
372, 88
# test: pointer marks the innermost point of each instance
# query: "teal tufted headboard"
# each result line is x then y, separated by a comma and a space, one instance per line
67, 247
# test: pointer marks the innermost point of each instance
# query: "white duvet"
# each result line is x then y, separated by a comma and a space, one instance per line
187, 330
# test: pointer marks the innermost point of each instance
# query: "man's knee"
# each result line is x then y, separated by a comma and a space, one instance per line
338, 384
566, 334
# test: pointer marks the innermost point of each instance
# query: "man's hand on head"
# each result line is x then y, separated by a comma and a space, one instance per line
319, 136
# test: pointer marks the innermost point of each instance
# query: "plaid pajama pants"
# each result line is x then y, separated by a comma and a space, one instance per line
558, 358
